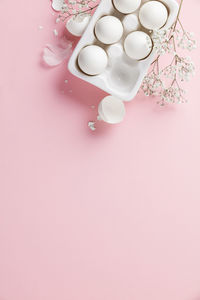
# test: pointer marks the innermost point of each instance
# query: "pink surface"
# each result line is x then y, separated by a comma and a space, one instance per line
109, 215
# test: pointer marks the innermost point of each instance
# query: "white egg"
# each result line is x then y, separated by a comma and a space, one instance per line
138, 45
111, 110
130, 23
77, 24
92, 60
115, 50
126, 6
108, 30
153, 15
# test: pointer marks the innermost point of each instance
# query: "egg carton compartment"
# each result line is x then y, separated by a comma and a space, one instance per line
123, 75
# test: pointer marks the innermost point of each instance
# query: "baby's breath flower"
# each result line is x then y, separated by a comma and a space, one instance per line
151, 84
161, 41
76, 7
185, 68
164, 82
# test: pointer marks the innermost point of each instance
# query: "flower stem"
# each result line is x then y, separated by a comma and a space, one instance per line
179, 11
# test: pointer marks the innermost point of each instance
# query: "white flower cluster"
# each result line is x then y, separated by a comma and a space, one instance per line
161, 41
153, 85
180, 67
185, 68
76, 7
186, 40
164, 82
172, 94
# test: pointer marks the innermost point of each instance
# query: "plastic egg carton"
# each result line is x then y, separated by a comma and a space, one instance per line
123, 76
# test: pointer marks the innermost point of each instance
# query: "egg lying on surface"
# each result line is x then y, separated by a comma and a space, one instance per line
131, 23
153, 15
108, 30
126, 6
138, 45
111, 110
92, 60
77, 24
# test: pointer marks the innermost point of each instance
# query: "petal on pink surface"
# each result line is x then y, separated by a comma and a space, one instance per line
54, 55
51, 58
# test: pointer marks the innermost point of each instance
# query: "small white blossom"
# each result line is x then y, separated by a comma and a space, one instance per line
162, 43
186, 41
77, 7
55, 31
151, 84
185, 68
91, 125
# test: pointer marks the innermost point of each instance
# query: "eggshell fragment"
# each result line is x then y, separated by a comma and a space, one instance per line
57, 4
111, 110
77, 24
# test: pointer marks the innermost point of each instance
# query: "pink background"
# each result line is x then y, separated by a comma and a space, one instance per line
109, 215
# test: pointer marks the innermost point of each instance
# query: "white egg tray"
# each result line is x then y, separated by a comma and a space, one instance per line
123, 76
